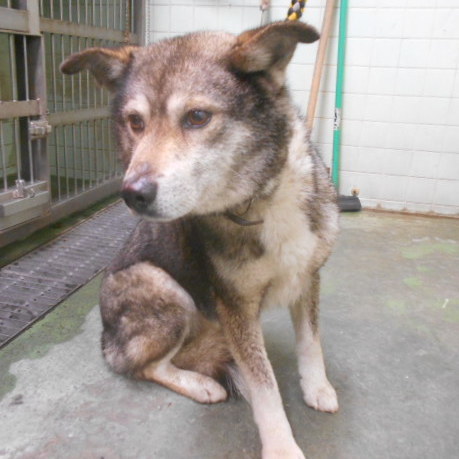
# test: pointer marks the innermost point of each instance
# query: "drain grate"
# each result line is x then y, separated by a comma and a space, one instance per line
37, 282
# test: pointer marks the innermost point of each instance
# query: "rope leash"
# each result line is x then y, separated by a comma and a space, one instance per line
293, 14
296, 10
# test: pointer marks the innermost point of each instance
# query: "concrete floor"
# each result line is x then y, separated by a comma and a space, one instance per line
390, 327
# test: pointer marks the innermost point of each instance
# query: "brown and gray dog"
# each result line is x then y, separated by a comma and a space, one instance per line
238, 214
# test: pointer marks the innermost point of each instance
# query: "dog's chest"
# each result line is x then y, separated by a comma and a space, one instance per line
278, 275
290, 247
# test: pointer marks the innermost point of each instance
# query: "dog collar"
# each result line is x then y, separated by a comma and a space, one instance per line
239, 220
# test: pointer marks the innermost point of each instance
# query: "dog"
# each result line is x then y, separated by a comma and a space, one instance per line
238, 213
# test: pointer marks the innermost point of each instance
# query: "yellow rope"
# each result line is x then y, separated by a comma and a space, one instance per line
296, 10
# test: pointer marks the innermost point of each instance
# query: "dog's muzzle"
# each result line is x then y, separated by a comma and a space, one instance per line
139, 195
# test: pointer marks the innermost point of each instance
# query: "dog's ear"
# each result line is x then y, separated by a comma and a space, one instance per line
106, 64
270, 48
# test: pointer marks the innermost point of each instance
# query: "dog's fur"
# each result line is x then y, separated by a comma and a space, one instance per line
238, 215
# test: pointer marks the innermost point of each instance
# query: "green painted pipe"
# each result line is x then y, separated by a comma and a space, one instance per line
339, 92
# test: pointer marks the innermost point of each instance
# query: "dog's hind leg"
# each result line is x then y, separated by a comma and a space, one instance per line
317, 390
147, 318
196, 386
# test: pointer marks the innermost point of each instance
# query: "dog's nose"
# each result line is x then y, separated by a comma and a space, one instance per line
139, 195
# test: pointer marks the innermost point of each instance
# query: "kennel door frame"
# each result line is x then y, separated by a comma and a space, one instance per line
30, 202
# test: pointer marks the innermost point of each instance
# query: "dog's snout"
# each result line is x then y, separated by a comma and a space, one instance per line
139, 195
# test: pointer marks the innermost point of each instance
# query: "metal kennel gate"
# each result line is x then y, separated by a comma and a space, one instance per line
56, 148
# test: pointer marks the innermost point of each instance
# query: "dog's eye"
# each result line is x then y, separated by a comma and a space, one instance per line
136, 123
196, 119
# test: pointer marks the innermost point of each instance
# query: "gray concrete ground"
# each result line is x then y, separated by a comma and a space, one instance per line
390, 327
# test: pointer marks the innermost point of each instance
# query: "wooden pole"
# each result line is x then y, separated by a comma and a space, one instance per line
320, 59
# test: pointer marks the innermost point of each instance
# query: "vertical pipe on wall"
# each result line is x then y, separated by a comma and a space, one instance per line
339, 92
345, 203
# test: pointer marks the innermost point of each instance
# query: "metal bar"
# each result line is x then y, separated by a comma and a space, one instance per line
95, 90
80, 80
76, 116
81, 30
62, 75
138, 32
14, 78
66, 163
53, 63
87, 80
120, 17
17, 147
72, 78
12, 20
3, 152
104, 149
94, 130
13, 73
88, 153
80, 126
74, 154
38, 91
27, 96
15, 109
58, 171
33, 13
26, 67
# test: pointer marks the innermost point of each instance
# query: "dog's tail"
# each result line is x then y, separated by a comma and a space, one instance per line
208, 353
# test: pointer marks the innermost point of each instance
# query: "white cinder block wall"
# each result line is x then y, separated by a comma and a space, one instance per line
400, 144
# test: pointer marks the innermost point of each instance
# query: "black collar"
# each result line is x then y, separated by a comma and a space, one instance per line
239, 220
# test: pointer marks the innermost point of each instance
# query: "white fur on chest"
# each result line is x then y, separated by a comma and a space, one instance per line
286, 235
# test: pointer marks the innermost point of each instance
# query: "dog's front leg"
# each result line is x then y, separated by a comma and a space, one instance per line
317, 391
243, 331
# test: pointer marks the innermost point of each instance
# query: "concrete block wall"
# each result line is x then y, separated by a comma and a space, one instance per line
400, 144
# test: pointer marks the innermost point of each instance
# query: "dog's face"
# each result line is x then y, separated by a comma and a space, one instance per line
200, 119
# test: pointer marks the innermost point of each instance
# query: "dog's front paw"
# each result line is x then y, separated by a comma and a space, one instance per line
321, 397
291, 451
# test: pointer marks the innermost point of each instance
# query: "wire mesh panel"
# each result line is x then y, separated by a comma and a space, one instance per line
81, 152
82, 156
56, 145
22, 192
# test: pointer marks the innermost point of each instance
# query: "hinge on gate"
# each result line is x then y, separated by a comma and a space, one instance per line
39, 128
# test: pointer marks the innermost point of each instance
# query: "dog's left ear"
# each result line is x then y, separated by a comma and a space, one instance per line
270, 48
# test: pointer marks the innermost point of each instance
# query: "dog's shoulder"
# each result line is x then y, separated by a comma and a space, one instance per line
175, 247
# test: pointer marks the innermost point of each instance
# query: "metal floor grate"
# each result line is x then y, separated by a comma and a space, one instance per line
37, 282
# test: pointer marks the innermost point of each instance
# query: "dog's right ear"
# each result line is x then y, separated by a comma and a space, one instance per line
106, 64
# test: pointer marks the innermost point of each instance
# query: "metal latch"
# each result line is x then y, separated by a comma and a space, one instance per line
21, 191
39, 128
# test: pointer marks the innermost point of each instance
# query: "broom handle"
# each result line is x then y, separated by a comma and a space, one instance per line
319, 65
